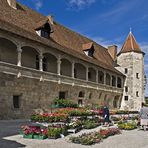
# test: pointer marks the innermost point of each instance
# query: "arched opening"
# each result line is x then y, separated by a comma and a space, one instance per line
108, 79
30, 57
8, 51
80, 71
66, 67
100, 77
91, 75
81, 94
50, 63
119, 82
116, 101
113, 81
90, 96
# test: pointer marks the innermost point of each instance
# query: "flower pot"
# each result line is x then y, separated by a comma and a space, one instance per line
28, 136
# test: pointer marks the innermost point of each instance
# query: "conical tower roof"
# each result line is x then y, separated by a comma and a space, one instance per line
130, 45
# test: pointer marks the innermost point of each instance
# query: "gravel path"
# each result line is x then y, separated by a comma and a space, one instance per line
9, 138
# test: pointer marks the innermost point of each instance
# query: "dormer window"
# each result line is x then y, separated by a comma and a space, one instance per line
45, 34
89, 52
44, 28
88, 49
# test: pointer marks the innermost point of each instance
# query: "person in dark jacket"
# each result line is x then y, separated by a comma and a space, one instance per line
106, 115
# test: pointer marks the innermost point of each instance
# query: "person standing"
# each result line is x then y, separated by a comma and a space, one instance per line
143, 116
106, 115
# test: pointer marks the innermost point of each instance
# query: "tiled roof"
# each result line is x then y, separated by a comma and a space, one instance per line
23, 22
130, 45
87, 46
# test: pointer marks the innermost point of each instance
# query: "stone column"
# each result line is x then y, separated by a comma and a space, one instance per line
73, 67
104, 77
41, 62
96, 76
86, 73
116, 81
59, 65
19, 56
111, 80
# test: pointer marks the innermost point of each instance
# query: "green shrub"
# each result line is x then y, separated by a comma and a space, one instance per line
89, 124
63, 103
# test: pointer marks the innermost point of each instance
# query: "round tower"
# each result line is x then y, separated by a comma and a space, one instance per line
130, 62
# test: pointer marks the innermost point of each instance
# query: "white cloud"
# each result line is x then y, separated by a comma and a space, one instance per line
79, 4
38, 4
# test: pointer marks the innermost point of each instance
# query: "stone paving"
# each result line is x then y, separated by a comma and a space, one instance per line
9, 138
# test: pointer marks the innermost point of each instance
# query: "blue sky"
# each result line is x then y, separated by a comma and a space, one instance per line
105, 21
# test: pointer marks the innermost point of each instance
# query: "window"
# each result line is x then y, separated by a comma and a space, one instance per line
100, 95
137, 94
81, 94
89, 75
126, 89
89, 52
37, 62
115, 103
62, 95
80, 102
105, 97
44, 33
137, 75
90, 95
16, 102
126, 71
126, 98
119, 81
75, 73
101, 78
44, 64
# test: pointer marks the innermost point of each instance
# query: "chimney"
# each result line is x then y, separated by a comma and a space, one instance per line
12, 3
50, 18
112, 50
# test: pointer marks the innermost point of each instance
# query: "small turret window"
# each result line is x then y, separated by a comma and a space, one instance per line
126, 71
137, 75
137, 94
126, 98
126, 89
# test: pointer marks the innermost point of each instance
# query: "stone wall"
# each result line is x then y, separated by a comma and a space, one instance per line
35, 94
134, 64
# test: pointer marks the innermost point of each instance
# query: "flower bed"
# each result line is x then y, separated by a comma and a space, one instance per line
34, 132
127, 125
95, 137
75, 111
89, 124
63, 103
55, 132
125, 112
54, 117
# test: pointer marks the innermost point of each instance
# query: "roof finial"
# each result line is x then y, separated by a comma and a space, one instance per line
130, 29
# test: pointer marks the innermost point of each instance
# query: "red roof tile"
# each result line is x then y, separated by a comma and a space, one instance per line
130, 45
23, 22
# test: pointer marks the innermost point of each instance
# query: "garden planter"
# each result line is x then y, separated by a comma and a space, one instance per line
28, 136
